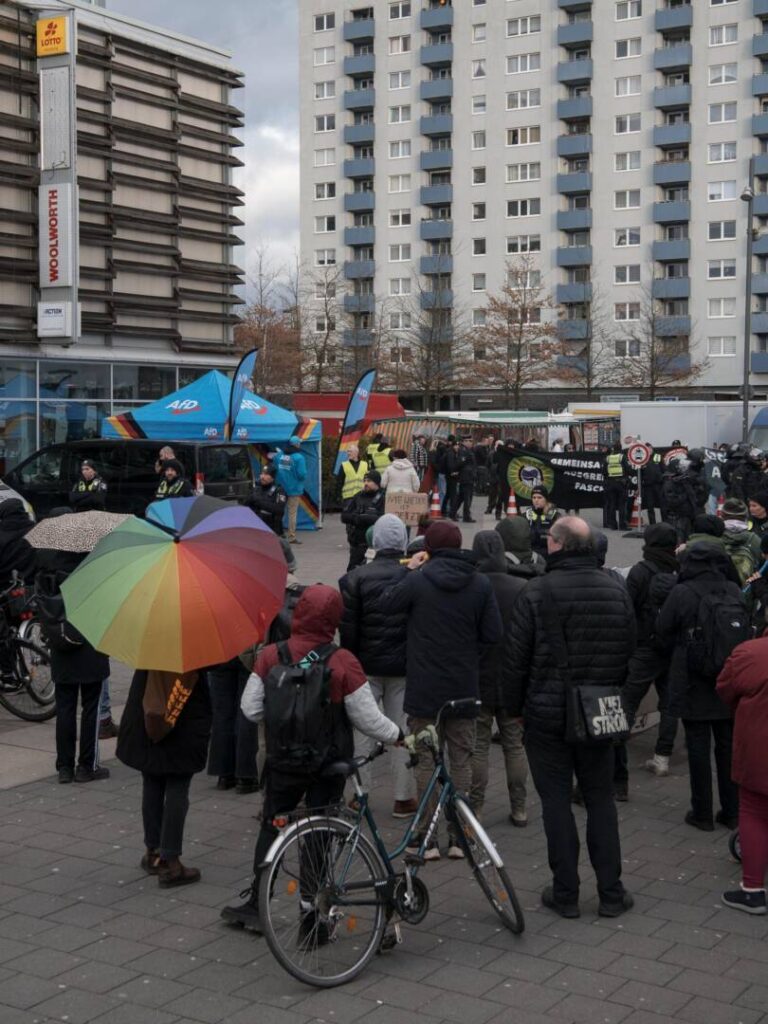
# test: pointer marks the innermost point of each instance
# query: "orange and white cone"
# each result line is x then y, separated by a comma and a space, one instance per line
434, 508
512, 504
720, 502
635, 522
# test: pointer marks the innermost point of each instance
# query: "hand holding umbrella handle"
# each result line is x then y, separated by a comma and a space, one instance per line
753, 578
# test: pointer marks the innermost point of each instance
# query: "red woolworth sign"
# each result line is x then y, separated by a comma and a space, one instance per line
55, 211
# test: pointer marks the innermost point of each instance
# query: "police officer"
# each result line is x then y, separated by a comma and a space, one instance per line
651, 477
615, 489
268, 500
352, 474
173, 484
90, 491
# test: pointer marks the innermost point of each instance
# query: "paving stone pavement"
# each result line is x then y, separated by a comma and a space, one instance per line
86, 936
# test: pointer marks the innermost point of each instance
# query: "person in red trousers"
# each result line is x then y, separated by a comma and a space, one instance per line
743, 686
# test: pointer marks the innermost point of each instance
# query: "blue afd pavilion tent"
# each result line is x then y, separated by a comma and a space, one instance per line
200, 412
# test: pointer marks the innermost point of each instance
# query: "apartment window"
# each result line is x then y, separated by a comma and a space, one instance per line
399, 218
721, 230
721, 345
629, 47
626, 311
325, 21
523, 243
627, 161
399, 149
325, 55
325, 90
399, 79
478, 68
400, 286
325, 289
627, 273
524, 26
627, 9
719, 113
324, 157
628, 85
523, 207
624, 348
325, 224
478, 176
479, 32
400, 10
478, 3
524, 136
576, 239
478, 247
399, 44
626, 124
325, 190
400, 115
478, 282
399, 321
723, 74
626, 199
325, 257
478, 317
325, 123
324, 325
718, 270
676, 232
720, 35
523, 98
524, 172
721, 152
399, 183
625, 237
721, 3
478, 140
522, 62
478, 211
720, 191
721, 309
399, 253
478, 104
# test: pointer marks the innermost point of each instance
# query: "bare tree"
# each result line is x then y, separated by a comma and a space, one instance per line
321, 314
590, 363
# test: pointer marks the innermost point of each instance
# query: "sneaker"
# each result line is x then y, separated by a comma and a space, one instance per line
107, 729
518, 820
66, 775
245, 914
730, 823
563, 909
432, 852
404, 808
615, 908
226, 782
657, 765
83, 774
455, 852
704, 826
751, 901
244, 786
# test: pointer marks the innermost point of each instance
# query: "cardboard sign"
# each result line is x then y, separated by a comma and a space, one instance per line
407, 507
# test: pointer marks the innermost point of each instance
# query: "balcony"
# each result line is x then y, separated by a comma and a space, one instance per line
760, 284
442, 298
672, 326
761, 165
576, 34
435, 230
357, 337
436, 195
758, 362
359, 303
577, 181
436, 159
671, 287
672, 18
355, 269
360, 235
673, 58
362, 167
666, 97
666, 249
358, 134
574, 255
580, 291
671, 172
759, 8
571, 72
574, 145
363, 64
575, 108
574, 5
436, 124
760, 205
573, 330
436, 19
760, 245
436, 89
672, 211
359, 99
760, 323
574, 220
436, 55
359, 31
671, 135
760, 124
760, 45
760, 85
359, 202
431, 265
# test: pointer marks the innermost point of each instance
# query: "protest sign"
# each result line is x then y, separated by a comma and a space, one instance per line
407, 507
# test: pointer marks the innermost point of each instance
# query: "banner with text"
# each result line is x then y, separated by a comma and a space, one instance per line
573, 479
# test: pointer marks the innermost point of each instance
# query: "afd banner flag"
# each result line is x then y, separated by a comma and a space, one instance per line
352, 427
243, 382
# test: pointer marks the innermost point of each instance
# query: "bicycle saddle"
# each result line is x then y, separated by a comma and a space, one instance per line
345, 768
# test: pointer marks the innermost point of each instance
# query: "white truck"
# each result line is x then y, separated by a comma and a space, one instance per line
694, 424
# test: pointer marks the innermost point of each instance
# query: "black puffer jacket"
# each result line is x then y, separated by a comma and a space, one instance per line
376, 637
15, 552
598, 623
361, 512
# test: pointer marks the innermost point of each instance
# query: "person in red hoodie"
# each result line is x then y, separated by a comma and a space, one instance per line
743, 686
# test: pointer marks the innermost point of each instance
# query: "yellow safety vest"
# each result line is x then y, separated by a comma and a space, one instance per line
379, 455
353, 478
615, 467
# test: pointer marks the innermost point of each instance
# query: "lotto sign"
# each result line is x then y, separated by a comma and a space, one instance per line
638, 454
52, 36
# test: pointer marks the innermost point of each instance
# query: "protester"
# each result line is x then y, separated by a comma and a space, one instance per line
482, 454
573, 627
174, 484
378, 641
494, 487
540, 514
747, 474
743, 687
488, 549
522, 560
685, 491
741, 544
651, 478
400, 476
437, 457
615, 489
378, 453
419, 456
451, 613
352, 474
268, 500
462, 467
16, 554
234, 740
758, 512
361, 512
448, 468
90, 492
291, 469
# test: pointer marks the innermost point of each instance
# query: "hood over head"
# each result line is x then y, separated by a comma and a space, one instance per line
600, 541
701, 558
516, 536
13, 513
488, 549
389, 534
317, 614
661, 535
712, 526
295, 441
403, 463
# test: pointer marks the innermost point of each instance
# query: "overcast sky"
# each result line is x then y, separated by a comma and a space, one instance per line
262, 36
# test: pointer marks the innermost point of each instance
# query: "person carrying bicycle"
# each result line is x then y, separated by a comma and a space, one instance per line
308, 724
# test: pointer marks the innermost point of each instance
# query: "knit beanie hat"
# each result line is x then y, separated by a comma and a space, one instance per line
663, 535
442, 534
712, 526
375, 475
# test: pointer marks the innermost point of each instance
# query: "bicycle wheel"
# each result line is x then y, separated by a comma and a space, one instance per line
42, 688
734, 845
30, 695
487, 867
311, 930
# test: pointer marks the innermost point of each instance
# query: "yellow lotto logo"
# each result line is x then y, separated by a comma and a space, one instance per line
52, 37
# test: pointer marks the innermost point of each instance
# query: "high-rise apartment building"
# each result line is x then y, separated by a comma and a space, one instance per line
607, 144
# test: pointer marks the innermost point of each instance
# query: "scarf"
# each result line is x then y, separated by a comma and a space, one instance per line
165, 695
662, 558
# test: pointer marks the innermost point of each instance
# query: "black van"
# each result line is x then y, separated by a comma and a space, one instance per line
128, 468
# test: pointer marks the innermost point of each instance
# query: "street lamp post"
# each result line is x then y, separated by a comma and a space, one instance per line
748, 196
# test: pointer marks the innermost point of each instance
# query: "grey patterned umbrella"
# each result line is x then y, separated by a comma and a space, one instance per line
76, 531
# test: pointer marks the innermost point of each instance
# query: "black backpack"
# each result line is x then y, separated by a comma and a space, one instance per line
304, 729
722, 623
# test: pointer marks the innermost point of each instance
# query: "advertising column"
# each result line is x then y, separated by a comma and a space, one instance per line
58, 310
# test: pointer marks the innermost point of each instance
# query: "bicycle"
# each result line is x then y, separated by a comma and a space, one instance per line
26, 683
327, 891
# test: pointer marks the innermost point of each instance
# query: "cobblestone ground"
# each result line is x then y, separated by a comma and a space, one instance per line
85, 936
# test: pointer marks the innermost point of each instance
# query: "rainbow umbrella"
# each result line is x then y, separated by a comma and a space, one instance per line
195, 583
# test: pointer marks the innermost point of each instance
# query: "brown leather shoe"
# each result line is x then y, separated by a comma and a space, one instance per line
174, 874
150, 862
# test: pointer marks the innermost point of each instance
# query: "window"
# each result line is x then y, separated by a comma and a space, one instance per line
478, 211
325, 157
399, 149
399, 218
478, 247
720, 230
478, 282
399, 321
325, 224
722, 112
524, 136
524, 279
478, 176
523, 98
626, 311
626, 347
478, 317
479, 32
722, 152
524, 26
400, 10
325, 289
629, 85
626, 124
399, 253
478, 68
624, 237
627, 273
325, 257
400, 286
325, 190
721, 345
325, 90
720, 35
522, 62
723, 74
524, 172
627, 161
399, 115
523, 243
324, 324
721, 309
325, 123
399, 183
324, 22
523, 207
478, 140
399, 79
399, 44
478, 104
325, 55
721, 3
629, 9
719, 191
717, 270
629, 47
626, 199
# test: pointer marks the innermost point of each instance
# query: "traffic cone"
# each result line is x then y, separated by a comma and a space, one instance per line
512, 504
635, 522
434, 508
720, 502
